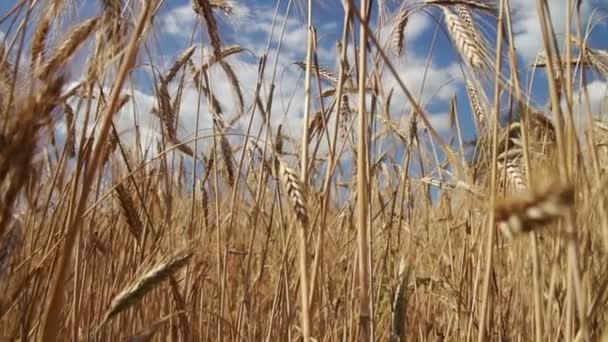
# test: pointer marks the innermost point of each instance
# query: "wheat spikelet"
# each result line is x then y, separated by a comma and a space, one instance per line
476, 105
233, 80
467, 17
166, 114
129, 211
39, 40
514, 174
479, 5
399, 307
223, 5
295, 191
179, 63
345, 116
10, 241
204, 9
226, 150
148, 333
324, 73
316, 124
470, 49
78, 35
71, 128
145, 283
598, 60
224, 53
399, 30
523, 212
204, 204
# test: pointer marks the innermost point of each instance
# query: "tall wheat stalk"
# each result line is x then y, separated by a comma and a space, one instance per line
363, 235
485, 294
303, 250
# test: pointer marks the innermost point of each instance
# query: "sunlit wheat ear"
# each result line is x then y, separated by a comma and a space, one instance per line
524, 212
470, 49
179, 63
295, 191
399, 31
477, 105
399, 307
78, 35
598, 59
146, 282
324, 73
474, 4
39, 40
467, 17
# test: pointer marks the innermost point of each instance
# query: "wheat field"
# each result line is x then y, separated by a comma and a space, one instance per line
360, 221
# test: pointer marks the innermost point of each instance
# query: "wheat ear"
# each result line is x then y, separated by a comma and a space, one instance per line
470, 49
399, 31
145, 283
78, 35
523, 212
295, 191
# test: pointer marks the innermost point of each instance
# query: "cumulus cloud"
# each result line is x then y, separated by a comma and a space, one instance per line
251, 31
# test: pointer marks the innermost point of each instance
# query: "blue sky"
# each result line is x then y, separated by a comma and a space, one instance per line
250, 26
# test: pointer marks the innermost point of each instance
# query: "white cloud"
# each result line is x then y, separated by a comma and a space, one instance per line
597, 103
528, 36
252, 33
178, 21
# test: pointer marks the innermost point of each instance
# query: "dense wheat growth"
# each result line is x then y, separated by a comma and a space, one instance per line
156, 192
